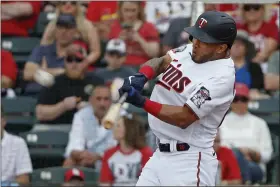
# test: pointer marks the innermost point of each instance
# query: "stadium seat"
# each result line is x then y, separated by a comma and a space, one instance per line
46, 147
56, 175
19, 113
265, 106
21, 47
42, 21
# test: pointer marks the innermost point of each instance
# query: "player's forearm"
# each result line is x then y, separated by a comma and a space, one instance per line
180, 116
49, 112
155, 66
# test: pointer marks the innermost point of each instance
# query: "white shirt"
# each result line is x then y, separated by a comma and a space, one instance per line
247, 131
162, 13
87, 134
15, 158
207, 88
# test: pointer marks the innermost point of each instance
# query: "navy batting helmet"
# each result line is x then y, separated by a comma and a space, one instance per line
214, 27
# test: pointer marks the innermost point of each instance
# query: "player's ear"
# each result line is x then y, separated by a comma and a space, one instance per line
222, 48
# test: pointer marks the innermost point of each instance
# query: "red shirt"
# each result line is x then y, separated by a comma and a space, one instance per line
102, 10
267, 30
118, 166
8, 65
135, 54
229, 164
20, 26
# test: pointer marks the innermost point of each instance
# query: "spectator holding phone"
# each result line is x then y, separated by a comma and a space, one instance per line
141, 37
58, 103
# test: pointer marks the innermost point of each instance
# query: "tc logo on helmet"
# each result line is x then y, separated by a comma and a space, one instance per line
202, 22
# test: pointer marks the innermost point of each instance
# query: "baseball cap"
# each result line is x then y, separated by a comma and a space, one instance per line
214, 27
66, 20
117, 46
78, 49
74, 172
241, 90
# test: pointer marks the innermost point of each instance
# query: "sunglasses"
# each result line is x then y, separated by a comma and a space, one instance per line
241, 99
65, 2
252, 7
71, 59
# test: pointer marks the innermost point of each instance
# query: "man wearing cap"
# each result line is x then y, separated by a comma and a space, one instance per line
58, 103
188, 103
50, 58
248, 135
74, 177
115, 56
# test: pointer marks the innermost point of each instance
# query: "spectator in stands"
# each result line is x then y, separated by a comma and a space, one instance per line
51, 57
8, 70
248, 135
141, 37
15, 159
262, 33
58, 103
74, 177
122, 165
88, 139
18, 17
162, 13
272, 75
247, 72
85, 30
230, 171
175, 35
102, 14
115, 56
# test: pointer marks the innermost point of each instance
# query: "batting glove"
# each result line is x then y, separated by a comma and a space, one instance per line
137, 81
134, 97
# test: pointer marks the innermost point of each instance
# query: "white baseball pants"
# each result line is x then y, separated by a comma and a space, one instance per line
187, 168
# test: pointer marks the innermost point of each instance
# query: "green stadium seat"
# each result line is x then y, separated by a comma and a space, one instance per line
46, 147
20, 47
19, 113
42, 21
55, 175
265, 106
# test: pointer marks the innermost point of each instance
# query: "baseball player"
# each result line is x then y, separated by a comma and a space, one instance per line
188, 103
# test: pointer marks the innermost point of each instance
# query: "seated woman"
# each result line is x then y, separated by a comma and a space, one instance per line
86, 31
141, 37
123, 164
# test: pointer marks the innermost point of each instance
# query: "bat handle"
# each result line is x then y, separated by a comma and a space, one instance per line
123, 98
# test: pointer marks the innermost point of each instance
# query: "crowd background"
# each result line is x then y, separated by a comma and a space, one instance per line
51, 130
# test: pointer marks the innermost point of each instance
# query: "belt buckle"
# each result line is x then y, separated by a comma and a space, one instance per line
182, 147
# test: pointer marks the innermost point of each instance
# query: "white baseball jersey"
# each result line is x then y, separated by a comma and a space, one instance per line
207, 88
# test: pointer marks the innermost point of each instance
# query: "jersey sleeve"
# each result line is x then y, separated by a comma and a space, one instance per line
180, 52
106, 175
210, 94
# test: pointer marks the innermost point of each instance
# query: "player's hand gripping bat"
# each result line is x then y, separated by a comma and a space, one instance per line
113, 113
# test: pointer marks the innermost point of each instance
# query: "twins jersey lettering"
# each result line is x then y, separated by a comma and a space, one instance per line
207, 88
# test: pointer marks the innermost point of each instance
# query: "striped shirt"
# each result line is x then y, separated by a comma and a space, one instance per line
88, 134
15, 158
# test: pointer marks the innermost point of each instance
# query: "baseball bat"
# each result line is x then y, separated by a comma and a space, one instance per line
113, 113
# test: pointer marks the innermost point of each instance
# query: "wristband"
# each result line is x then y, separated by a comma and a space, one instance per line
152, 107
148, 71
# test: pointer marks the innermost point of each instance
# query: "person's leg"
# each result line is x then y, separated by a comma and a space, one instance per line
148, 175
256, 172
244, 166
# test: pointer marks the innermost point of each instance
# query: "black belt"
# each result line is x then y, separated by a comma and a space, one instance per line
179, 146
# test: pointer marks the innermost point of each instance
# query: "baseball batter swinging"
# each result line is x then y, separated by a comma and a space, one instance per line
188, 103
